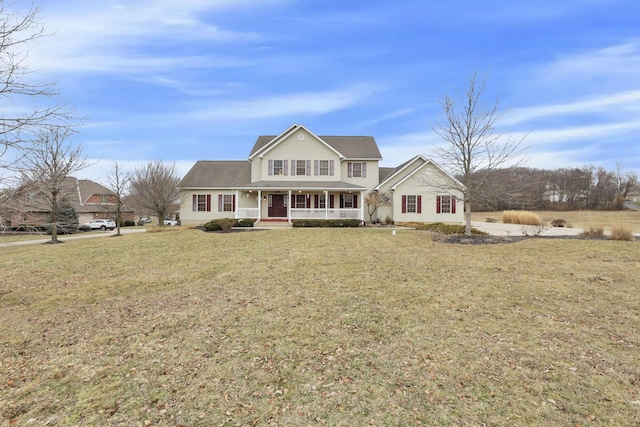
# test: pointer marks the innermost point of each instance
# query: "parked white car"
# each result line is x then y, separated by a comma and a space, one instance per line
100, 224
171, 222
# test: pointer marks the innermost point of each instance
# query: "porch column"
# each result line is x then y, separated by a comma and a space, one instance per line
326, 204
259, 205
237, 206
362, 196
289, 206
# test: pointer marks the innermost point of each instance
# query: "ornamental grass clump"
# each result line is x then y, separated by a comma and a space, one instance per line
621, 233
593, 232
521, 217
439, 227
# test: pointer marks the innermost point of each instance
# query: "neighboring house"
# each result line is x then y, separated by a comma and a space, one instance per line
299, 175
90, 200
554, 196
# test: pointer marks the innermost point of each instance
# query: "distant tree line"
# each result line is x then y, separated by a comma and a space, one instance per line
587, 187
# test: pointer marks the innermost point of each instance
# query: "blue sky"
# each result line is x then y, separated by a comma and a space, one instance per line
187, 80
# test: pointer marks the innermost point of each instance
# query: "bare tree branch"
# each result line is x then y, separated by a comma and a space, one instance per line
22, 118
471, 143
117, 182
46, 164
154, 187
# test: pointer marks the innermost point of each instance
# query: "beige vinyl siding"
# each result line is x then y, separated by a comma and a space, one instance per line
370, 181
292, 148
256, 169
429, 186
190, 217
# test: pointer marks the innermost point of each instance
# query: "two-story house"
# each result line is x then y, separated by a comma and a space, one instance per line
299, 175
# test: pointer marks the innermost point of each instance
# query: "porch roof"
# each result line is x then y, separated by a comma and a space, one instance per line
302, 185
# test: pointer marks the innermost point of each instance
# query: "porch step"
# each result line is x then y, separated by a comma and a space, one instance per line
272, 224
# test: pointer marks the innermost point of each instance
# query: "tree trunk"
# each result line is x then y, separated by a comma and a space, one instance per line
54, 219
467, 217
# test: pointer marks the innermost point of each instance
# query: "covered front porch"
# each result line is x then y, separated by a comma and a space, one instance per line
291, 204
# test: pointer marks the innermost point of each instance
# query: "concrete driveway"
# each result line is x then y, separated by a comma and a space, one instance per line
65, 238
499, 229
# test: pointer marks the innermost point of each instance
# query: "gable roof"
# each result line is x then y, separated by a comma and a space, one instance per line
350, 147
217, 174
87, 188
408, 174
396, 171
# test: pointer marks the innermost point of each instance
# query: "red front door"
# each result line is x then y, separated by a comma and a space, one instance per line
277, 206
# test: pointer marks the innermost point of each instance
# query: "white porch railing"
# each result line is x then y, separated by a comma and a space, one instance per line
248, 212
326, 214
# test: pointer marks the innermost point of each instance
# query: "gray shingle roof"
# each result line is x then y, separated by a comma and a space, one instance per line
351, 147
383, 173
307, 185
218, 174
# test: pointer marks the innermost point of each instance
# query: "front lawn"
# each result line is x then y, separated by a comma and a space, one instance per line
340, 327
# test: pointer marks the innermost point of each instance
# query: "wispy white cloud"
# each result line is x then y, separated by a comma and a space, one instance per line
618, 64
623, 101
98, 37
296, 104
390, 116
579, 133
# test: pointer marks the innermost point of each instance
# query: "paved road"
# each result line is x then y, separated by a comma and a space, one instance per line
123, 230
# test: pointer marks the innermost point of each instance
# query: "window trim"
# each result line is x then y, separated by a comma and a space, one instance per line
226, 201
321, 168
440, 204
418, 204
201, 203
412, 203
362, 172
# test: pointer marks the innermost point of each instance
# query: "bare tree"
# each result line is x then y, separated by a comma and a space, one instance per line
154, 186
625, 182
471, 143
117, 182
374, 200
45, 166
23, 124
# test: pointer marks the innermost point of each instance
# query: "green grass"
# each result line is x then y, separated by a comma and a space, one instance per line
344, 327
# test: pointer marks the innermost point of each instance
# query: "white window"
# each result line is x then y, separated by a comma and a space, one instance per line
357, 170
226, 202
445, 204
202, 202
323, 167
301, 201
411, 203
322, 202
301, 167
278, 167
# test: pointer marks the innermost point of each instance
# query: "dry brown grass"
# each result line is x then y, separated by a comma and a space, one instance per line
521, 217
593, 232
310, 327
621, 233
583, 219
